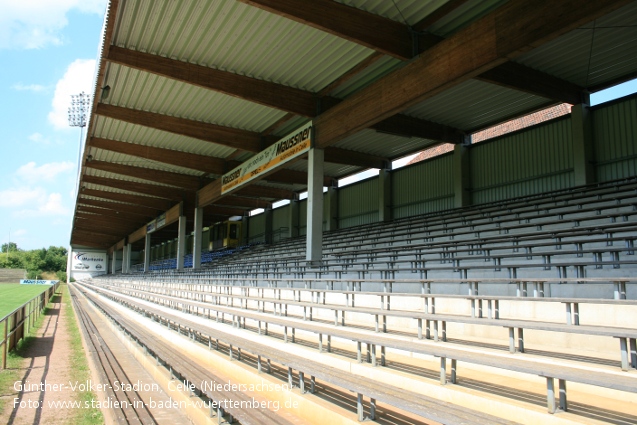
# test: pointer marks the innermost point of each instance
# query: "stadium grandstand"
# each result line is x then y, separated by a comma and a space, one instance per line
489, 282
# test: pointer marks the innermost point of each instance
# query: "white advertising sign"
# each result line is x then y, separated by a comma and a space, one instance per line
83, 261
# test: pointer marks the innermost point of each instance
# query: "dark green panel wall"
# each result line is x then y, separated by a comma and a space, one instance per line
535, 160
358, 203
615, 139
423, 187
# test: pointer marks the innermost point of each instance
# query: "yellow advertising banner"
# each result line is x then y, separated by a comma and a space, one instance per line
291, 146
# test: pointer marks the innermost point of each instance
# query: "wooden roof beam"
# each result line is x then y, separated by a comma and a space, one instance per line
105, 218
281, 176
92, 230
183, 181
510, 75
206, 164
349, 157
240, 201
519, 77
141, 201
118, 207
89, 225
222, 211
509, 31
109, 213
296, 101
91, 241
436, 15
293, 177
403, 125
142, 188
226, 136
257, 191
76, 241
266, 93
356, 25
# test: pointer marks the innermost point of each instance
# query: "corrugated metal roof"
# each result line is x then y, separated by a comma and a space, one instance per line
116, 190
97, 198
474, 104
329, 168
111, 129
291, 125
385, 145
278, 185
464, 15
235, 37
118, 158
239, 38
108, 175
144, 91
378, 69
411, 11
613, 52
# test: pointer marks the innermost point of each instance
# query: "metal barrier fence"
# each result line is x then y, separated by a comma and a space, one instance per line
16, 324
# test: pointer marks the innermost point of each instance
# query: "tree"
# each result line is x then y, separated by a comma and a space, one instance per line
11, 245
34, 261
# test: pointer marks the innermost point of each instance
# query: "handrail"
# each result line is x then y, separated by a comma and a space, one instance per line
18, 330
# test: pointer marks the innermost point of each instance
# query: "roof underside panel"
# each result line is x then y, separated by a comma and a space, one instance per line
464, 15
384, 145
409, 11
235, 37
108, 175
134, 89
133, 161
597, 53
329, 169
115, 190
378, 69
231, 36
474, 104
111, 129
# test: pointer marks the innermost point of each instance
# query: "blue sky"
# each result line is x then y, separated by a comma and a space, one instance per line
47, 52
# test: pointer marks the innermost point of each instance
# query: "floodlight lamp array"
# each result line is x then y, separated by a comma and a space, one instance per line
78, 109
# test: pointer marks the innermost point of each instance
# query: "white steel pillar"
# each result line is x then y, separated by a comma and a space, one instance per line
196, 240
314, 244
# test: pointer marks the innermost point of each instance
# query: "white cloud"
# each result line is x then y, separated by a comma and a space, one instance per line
19, 232
28, 87
39, 138
20, 196
30, 172
33, 24
77, 78
50, 206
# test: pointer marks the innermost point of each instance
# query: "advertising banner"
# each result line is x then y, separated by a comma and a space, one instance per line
161, 221
291, 146
37, 282
89, 261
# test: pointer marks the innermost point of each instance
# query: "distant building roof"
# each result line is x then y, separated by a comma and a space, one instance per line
499, 130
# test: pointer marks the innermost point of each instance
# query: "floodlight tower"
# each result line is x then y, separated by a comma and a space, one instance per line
77, 117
